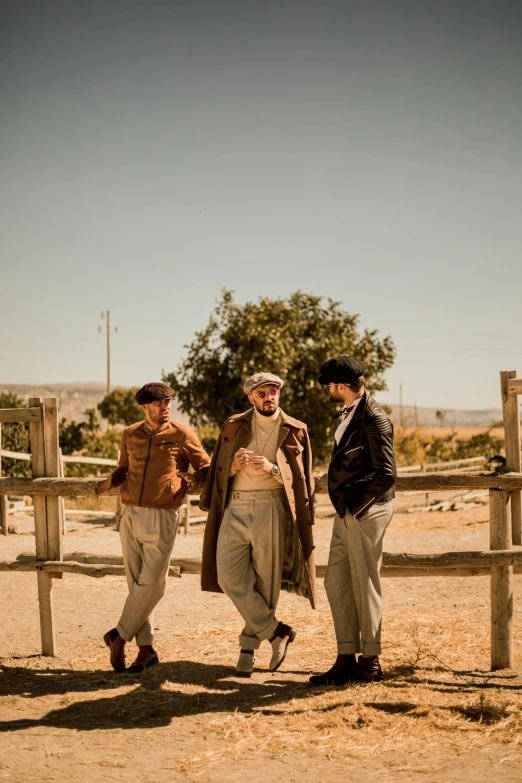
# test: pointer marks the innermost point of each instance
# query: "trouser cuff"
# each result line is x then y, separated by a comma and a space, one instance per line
249, 642
371, 649
268, 632
123, 633
348, 648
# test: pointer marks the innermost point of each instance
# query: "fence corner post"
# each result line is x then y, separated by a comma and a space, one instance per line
501, 583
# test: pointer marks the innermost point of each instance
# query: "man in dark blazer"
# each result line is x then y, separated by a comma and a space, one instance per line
361, 479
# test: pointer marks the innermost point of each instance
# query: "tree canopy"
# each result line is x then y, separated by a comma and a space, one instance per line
120, 407
291, 337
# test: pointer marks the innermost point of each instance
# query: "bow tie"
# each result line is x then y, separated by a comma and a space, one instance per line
344, 413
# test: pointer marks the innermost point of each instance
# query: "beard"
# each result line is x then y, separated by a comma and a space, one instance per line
335, 397
265, 412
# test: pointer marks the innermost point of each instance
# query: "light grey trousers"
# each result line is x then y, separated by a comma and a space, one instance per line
147, 538
352, 580
250, 554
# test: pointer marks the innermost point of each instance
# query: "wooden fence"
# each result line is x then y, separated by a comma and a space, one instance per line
500, 562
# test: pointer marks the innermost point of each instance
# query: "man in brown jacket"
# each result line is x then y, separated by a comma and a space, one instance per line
258, 536
154, 458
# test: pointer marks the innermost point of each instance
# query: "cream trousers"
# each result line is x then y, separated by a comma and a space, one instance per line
147, 538
352, 580
250, 553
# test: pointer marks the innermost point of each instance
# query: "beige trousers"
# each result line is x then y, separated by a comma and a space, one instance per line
147, 538
352, 580
250, 553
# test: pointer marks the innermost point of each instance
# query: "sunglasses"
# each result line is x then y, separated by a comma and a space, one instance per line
263, 394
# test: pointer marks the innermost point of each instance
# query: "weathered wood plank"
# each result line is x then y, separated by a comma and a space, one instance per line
427, 482
13, 415
98, 570
511, 419
502, 655
514, 385
394, 564
52, 468
45, 583
4, 527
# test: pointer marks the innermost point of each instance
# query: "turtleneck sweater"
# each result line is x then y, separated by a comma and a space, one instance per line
263, 440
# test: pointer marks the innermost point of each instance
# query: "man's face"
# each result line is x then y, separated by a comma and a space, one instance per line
334, 391
265, 399
157, 412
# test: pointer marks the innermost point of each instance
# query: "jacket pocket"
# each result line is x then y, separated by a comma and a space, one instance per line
352, 451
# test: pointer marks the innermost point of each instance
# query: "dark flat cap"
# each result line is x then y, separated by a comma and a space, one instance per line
342, 369
152, 392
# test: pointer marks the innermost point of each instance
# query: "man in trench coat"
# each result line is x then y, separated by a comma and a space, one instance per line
258, 538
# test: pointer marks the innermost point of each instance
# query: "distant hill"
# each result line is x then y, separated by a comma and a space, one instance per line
73, 398
76, 397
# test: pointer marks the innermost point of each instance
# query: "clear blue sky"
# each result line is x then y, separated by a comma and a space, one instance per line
153, 153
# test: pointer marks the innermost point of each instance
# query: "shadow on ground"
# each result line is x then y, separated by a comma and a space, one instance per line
171, 690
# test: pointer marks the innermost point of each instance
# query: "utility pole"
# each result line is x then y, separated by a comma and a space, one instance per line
108, 326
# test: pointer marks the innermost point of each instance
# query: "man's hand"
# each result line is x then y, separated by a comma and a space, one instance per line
103, 486
261, 463
190, 480
321, 483
241, 459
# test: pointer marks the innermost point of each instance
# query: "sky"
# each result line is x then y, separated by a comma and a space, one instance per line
152, 154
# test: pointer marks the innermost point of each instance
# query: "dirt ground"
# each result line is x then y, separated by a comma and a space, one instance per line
440, 715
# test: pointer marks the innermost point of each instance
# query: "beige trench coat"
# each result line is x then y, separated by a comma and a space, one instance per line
294, 458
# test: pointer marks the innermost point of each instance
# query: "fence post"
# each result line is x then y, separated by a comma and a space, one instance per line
63, 518
3, 498
45, 582
501, 583
187, 514
511, 419
52, 468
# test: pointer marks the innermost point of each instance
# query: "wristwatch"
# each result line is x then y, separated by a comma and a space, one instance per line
275, 470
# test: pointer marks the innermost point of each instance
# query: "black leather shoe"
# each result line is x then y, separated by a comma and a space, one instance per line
343, 671
146, 658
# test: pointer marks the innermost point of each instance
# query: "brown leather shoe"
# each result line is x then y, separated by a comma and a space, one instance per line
369, 669
116, 645
147, 657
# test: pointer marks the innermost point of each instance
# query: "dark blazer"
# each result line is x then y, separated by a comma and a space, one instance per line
294, 458
362, 469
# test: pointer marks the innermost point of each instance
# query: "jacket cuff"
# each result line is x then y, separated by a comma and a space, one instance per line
118, 477
204, 502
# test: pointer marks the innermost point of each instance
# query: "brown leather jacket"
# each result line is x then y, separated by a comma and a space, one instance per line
148, 470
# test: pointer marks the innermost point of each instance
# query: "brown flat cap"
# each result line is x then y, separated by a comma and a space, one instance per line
152, 392
261, 379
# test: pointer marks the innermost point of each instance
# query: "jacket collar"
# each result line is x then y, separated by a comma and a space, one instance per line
354, 423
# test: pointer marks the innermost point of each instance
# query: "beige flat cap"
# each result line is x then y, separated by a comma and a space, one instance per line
261, 379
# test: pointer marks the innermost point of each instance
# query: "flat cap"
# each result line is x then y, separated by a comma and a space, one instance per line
261, 379
152, 392
341, 369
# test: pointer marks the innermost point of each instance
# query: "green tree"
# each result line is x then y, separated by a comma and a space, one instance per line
15, 437
120, 407
291, 337
75, 436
